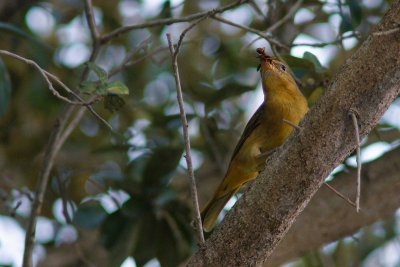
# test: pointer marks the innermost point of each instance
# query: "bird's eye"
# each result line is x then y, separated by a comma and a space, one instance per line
283, 67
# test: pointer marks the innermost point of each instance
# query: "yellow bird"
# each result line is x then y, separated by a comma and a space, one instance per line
268, 128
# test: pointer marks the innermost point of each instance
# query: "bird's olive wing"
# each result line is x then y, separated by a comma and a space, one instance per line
253, 123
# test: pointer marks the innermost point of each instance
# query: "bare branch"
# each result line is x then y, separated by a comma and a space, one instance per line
335, 42
256, 8
91, 21
55, 143
47, 76
62, 188
391, 31
354, 114
340, 194
291, 124
44, 175
185, 126
44, 73
288, 16
277, 24
267, 36
163, 22
130, 55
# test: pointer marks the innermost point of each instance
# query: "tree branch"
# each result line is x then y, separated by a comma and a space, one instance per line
328, 218
47, 76
287, 17
368, 82
185, 127
56, 140
267, 36
163, 22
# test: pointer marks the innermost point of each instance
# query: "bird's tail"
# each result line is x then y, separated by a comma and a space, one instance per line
211, 211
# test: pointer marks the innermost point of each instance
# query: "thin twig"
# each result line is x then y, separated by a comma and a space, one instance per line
52, 148
288, 16
323, 44
256, 8
64, 198
185, 31
354, 115
291, 124
267, 153
68, 130
88, 104
188, 157
277, 24
15, 208
43, 73
388, 32
96, 38
266, 36
335, 42
162, 22
44, 175
340, 194
47, 76
91, 21
129, 56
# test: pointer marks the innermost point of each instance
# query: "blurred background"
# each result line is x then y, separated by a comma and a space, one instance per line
121, 198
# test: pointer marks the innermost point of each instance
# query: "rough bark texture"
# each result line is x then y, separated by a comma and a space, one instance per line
368, 82
328, 217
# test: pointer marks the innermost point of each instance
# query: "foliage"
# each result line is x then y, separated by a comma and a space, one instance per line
143, 157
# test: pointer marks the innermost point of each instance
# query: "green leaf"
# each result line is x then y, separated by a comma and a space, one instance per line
346, 25
89, 215
113, 103
168, 243
117, 88
160, 166
101, 89
355, 11
5, 89
88, 87
119, 236
100, 72
147, 239
166, 10
229, 90
299, 66
312, 58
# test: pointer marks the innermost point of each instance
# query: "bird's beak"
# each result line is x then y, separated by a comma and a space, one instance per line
266, 60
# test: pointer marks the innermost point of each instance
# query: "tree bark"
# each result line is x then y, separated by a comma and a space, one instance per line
328, 217
367, 83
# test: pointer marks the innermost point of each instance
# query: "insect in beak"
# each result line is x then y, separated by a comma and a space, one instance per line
263, 56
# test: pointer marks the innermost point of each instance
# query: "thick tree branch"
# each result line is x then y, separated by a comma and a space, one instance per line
328, 218
368, 82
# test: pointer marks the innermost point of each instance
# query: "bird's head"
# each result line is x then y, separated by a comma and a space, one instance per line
274, 73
